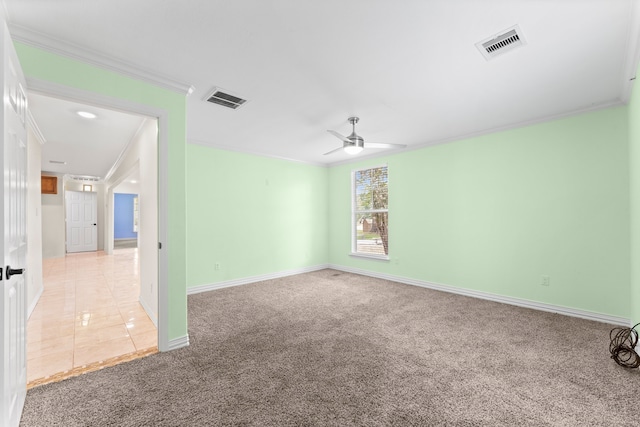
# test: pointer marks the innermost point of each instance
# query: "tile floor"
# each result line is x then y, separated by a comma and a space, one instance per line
88, 312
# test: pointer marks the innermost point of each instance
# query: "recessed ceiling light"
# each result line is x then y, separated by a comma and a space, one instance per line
86, 114
133, 181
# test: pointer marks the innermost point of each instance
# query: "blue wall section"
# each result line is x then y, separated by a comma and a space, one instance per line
123, 216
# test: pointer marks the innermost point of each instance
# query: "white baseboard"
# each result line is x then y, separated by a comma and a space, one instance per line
177, 343
598, 317
33, 304
252, 279
153, 316
535, 305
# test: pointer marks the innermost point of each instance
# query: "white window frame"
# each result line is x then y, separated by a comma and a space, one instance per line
354, 214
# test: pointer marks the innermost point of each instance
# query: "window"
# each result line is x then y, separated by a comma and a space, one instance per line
370, 217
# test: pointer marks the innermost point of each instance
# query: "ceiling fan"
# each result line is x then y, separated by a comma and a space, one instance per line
354, 143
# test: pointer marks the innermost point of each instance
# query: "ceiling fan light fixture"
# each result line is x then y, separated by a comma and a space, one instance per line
354, 143
352, 149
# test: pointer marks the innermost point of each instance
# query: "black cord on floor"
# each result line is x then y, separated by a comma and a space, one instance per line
622, 347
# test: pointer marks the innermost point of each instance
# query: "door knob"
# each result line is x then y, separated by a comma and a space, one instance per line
11, 271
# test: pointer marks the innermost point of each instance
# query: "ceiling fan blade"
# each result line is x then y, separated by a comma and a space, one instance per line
333, 151
337, 135
382, 145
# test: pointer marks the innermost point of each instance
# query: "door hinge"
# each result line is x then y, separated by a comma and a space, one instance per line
159, 245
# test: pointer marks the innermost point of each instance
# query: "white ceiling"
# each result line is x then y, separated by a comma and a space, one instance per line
87, 146
410, 70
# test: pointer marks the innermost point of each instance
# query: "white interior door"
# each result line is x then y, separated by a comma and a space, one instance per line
13, 198
82, 221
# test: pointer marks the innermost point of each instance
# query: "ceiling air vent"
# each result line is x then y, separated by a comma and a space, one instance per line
503, 42
225, 99
84, 178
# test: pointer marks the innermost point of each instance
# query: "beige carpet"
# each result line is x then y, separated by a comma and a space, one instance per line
337, 349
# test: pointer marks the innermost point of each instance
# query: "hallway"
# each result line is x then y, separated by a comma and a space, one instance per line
88, 316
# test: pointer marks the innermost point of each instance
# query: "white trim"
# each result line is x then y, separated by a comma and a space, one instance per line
110, 203
125, 174
124, 151
69, 93
163, 224
374, 166
552, 308
93, 98
355, 212
370, 256
254, 153
150, 312
525, 123
630, 65
354, 222
177, 343
31, 122
109, 214
252, 279
59, 47
4, 12
33, 304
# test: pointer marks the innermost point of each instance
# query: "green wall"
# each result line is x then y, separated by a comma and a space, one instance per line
494, 213
53, 68
491, 213
252, 215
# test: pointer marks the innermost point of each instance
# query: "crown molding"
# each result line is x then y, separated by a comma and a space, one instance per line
125, 150
59, 47
254, 153
489, 131
31, 122
632, 57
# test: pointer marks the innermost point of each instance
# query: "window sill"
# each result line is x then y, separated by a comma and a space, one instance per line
370, 256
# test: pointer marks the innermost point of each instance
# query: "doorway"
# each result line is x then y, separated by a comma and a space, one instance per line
105, 286
125, 219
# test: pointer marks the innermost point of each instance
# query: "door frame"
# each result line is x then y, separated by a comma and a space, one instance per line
109, 215
99, 100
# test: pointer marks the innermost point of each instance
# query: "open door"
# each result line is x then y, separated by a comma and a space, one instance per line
13, 196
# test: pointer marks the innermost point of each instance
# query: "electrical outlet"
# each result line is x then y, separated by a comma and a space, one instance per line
217, 266
544, 280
